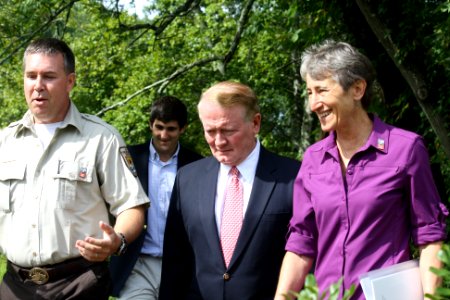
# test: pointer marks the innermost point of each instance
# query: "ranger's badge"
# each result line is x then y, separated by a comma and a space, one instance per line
128, 160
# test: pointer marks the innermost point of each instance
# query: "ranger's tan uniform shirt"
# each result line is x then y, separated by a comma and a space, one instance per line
49, 198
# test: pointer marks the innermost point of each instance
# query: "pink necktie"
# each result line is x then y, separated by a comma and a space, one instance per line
232, 215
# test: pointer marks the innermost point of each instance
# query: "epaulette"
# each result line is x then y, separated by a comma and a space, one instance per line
14, 124
92, 118
101, 122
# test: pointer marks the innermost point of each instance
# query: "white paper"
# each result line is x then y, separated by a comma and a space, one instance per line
366, 285
397, 282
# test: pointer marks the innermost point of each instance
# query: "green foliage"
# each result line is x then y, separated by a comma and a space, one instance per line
442, 292
119, 55
2, 266
115, 60
311, 291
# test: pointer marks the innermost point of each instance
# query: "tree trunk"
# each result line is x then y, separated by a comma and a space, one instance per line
413, 78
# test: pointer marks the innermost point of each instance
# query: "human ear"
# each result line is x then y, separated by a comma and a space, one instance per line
71, 78
256, 122
359, 89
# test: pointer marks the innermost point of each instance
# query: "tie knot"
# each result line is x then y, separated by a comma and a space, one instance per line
234, 171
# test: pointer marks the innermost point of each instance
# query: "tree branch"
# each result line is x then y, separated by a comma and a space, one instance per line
199, 63
413, 78
39, 29
240, 29
162, 82
165, 21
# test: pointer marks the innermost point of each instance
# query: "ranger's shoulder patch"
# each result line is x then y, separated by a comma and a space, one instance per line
128, 160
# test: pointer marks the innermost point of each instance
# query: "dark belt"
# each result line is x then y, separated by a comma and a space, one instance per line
49, 273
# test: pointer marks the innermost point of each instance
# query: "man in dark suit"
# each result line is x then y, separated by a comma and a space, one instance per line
229, 213
137, 274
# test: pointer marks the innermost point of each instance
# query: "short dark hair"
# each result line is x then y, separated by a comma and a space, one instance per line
52, 46
169, 108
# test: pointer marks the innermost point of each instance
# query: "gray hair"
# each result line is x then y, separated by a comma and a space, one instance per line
340, 61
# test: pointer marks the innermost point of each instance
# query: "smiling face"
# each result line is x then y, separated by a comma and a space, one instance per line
228, 132
334, 107
47, 87
165, 137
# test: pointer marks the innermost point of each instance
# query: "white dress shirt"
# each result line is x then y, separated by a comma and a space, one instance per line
247, 170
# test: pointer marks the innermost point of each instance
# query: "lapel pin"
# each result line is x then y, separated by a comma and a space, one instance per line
82, 173
380, 144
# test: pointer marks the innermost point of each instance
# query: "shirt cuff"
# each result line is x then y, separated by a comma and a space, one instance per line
432, 232
301, 244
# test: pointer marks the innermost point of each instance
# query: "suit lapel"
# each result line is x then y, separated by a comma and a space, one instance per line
182, 158
141, 165
207, 196
263, 186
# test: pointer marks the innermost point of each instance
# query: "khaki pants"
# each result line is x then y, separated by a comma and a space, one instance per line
144, 280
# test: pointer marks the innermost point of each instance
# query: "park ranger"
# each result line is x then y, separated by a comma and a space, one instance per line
62, 174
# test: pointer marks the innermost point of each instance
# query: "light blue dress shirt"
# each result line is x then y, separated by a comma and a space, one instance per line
160, 182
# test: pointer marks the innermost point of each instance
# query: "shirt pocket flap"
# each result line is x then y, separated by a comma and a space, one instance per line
74, 171
12, 170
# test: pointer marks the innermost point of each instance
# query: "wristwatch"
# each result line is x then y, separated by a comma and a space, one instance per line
123, 245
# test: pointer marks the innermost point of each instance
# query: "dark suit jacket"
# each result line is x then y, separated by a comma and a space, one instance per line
121, 267
193, 266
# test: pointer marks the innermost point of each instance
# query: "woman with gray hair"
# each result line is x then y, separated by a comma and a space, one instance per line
363, 191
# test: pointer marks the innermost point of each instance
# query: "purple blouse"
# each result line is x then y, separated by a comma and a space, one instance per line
364, 220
